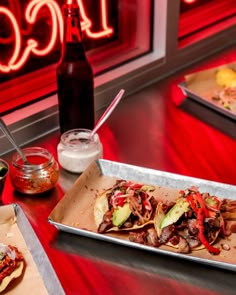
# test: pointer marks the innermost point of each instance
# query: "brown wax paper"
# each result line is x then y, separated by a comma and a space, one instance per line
30, 282
76, 209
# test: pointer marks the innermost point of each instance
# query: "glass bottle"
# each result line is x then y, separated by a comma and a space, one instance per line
75, 80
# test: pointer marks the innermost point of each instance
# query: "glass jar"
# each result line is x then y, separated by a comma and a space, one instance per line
77, 150
39, 176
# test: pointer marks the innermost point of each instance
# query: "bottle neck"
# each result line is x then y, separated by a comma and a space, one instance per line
72, 30
72, 44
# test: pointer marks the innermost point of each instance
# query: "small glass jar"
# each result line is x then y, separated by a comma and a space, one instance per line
39, 176
77, 150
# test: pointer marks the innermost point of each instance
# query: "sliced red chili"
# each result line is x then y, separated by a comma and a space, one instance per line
201, 235
202, 203
147, 205
132, 185
135, 186
121, 201
192, 202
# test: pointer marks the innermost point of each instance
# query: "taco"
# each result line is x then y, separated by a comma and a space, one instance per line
125, 206
192, 223
11, 265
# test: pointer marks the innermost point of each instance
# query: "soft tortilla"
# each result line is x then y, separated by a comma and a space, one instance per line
15, 274
157, 220
101, 207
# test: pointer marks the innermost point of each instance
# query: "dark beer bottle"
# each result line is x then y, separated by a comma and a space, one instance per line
75, 82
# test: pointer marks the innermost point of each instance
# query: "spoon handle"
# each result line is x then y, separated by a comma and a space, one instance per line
107, 112
11, 139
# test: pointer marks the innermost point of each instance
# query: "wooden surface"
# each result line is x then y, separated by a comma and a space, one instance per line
149, 129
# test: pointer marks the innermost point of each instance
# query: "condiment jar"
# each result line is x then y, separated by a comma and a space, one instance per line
77, 149
39, 176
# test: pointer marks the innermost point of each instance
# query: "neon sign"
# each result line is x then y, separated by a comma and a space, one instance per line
20, 55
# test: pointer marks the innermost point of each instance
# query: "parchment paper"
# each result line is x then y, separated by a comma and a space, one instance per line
203, 83
30, 282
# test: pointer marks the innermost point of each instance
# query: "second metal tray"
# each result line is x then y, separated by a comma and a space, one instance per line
34, 247
206, 102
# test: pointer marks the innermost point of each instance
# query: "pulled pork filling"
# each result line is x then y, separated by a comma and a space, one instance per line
134, 218
141, 203
10, 258
184, 234
194, 221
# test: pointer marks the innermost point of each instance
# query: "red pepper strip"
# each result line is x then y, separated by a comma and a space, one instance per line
121, 201
191, 201
202, 204
133, 186
200, 223
147, 205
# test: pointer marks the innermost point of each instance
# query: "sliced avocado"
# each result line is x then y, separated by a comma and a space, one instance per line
210, 201
180, 207
158, 218
121, 214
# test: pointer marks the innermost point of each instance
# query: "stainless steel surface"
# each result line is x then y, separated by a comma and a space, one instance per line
40, 257
145, 272
12, 141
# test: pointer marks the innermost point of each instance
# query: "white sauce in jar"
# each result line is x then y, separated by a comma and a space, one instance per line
76, 150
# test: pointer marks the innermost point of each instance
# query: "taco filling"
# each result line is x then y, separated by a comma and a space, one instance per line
11, 264
127, 205
191, 223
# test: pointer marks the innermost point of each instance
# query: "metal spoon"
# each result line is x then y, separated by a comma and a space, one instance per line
12, 140
107, 112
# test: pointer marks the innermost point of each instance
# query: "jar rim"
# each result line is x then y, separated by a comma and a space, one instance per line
78, 134
36, 152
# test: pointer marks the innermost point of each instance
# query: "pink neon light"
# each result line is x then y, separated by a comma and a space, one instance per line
189, 1
32, 10
31, 17
106, 30
4, 68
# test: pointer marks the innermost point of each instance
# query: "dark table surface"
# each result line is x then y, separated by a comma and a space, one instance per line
152, 128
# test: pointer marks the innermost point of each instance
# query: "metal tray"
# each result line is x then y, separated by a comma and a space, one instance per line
40, 258
206, 102
67, 216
